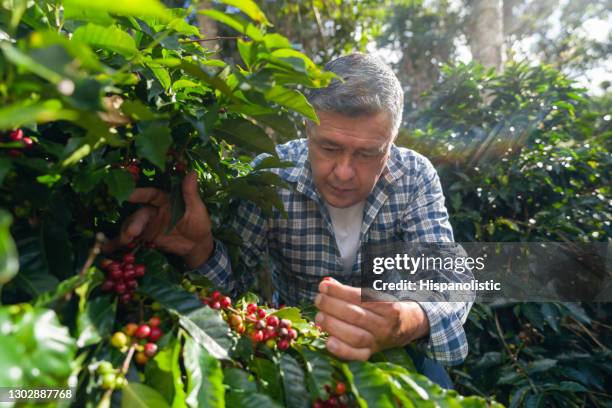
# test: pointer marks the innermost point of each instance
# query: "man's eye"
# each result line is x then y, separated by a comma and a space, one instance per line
329, 148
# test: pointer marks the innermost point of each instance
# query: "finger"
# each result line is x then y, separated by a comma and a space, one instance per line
388, 310
352, 335
332, 287
345, 351
191, 195
350, 313
137, 223
149, 195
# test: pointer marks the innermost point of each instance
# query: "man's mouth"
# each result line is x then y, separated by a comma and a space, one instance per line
342, 189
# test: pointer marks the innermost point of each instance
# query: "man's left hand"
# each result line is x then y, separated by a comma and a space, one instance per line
357, 330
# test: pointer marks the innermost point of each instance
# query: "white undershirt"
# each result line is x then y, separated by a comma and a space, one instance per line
347, 226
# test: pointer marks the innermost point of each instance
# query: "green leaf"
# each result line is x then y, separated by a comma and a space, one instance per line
33, 277
165, 373
170, 295
204, 377
245, 134
21, 113
136, 8
250, 8
541, 365
292, 99
96, 321
296, 394
120, 184
177, 204
36, 350
235, 22
207, 327
319, 371
237, 379
109, 38
369, 384
268, 375
240, 399
137, 395
9, 262
153, 144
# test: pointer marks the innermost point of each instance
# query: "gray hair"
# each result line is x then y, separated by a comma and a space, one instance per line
369, 87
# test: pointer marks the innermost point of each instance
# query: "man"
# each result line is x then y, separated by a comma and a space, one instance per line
351, 187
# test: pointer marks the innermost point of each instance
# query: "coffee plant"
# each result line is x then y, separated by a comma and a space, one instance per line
98, 98
525, 156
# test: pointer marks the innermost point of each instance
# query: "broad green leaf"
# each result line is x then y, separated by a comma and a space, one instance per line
250, 8
267, 373
238, 379
241, 399
369, 384
319, 371
33, 277
96, 321
137, 395
65, 287
9, 261
540, 365
35, 340
204, 377
171, 296
207, 327
275, 40
164, 373
162, 75
293, 100
26, 61
109, 38
120, 184
296, 394
245, 134
5, 168
20, 113
153, 143
177, 203
235, 22
137, 8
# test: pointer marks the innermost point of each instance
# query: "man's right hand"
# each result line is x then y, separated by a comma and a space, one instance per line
191, 238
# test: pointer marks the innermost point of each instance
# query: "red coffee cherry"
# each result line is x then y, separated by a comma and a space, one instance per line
129, 258
340, 388
150, 349
225, 302
155, 334
251, 308
292, 334
108, 285
16, 135
261, 313
140, 270
283, 344
257, 336
154, 321
120, 288
272, 321
143, 331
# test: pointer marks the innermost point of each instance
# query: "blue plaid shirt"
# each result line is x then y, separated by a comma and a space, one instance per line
406, 204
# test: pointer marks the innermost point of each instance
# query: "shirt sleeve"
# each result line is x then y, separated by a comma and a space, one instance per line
426, 220
251, 224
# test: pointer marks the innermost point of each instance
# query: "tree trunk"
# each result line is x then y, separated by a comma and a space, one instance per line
208, 26
486, 33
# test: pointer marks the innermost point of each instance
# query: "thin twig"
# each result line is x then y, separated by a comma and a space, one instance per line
238, 37
93, 252
124, 368
513, 357
588, 332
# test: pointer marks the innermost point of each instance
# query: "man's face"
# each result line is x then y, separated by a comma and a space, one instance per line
348, 154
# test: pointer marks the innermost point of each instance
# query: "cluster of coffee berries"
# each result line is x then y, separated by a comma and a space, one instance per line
217, 301
18, 136
142, 336
263, 327
110, 377
121, 276
337, 397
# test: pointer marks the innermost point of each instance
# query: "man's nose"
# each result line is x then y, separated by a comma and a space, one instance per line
344, 170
